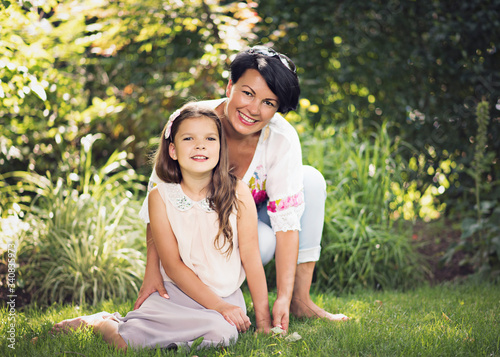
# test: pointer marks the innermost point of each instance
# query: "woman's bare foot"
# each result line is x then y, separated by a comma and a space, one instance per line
78, 322
302, 305
300, 308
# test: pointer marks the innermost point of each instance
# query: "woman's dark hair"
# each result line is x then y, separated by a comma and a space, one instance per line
221, 193
280, 77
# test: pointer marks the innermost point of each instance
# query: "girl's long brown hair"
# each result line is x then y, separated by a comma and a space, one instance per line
221, 193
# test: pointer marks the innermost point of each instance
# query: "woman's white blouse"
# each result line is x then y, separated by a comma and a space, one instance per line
274, 175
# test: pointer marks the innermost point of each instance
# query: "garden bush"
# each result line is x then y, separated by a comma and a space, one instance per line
361, 245
84, 241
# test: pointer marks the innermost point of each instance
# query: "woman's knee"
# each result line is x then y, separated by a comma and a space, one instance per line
314, 183
312, 220
267, 242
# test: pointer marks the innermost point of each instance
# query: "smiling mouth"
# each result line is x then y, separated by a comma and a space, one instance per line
247, 119
199, 157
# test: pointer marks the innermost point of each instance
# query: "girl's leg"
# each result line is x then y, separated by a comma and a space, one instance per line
162, 322
108, 328
177, 321
77, 322
102, 323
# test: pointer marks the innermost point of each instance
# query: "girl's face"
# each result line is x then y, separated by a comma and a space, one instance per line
196, 146
251, 104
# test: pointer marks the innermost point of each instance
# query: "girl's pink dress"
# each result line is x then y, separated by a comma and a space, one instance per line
180, 320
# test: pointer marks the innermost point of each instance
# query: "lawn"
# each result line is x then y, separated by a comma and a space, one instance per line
451, 319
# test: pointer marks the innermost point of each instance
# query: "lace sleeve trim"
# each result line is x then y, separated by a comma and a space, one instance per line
287, 220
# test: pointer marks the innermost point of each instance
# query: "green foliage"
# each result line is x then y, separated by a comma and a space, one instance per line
40, 90
121, 68
69, 69
88, 259
481, 234
423, 66
428, 321
360, 246
85, 240
117, 68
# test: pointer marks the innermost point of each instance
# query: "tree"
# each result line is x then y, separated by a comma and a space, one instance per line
114, 68
423, 65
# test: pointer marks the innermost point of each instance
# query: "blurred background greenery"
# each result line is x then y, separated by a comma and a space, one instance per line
400, 111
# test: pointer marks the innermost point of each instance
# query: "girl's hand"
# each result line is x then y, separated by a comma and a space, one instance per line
151, 284
234, 315
281, 313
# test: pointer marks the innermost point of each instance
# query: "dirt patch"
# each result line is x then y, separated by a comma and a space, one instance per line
433, 241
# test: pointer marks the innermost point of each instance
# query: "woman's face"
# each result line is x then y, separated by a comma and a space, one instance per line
251, 104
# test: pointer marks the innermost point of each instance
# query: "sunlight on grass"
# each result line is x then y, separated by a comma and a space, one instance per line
447, 320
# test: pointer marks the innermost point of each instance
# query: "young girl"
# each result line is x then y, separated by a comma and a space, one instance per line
204, 225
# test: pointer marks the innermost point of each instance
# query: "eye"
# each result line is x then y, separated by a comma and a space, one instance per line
212, 139
247, 93
187, 138
269, 103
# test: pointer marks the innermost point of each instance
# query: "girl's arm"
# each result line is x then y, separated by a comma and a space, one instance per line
152, 281
250, 256
183, 277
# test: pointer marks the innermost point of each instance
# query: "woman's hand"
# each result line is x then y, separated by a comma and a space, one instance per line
281, 313
152, 282
234, 315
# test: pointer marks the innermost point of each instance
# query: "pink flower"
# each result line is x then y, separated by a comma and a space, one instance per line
285, 203
271, 206
259, 196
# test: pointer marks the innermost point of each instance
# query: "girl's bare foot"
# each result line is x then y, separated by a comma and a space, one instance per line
108, 328
300, 308
78, 322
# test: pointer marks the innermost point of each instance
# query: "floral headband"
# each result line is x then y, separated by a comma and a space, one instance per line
171, 119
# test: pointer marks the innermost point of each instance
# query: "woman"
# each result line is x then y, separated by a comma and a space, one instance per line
265, 153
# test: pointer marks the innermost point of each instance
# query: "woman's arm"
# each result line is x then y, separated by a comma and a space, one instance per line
287, 250
284, 187
183, 277
153, 280
250, 257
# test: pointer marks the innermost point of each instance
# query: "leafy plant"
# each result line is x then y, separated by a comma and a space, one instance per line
84, 243
480, 237
360, 246
113, 68
83, 253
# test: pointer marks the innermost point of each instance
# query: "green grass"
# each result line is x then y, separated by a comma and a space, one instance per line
447, 320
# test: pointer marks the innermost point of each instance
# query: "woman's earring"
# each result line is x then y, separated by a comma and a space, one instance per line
266, 132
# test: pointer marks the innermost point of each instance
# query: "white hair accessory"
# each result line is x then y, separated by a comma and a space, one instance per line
170, 122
